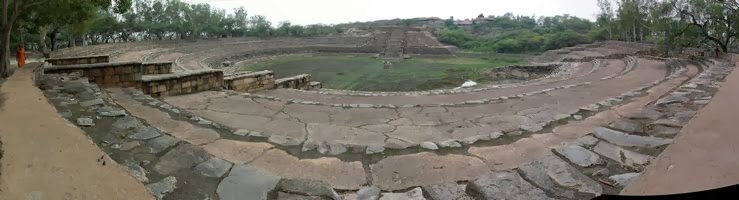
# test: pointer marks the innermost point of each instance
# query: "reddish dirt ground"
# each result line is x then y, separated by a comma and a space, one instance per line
703, 156
46, 157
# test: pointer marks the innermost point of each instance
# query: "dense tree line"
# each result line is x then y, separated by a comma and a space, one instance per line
669, 23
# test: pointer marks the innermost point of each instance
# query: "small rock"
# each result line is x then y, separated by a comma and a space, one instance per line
532, 128
630, 126
368, 193
624, 179
375, 148
145, 133
283, 140
414, 194
84, 121
256, 134
213, 167
163, 187
429, 145
66, 114
586, 141
472, 139
331, 149
160, 144
93, 102
126, 123
449, 144
108, 111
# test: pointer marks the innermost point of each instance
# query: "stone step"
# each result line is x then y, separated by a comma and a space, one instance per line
504, 185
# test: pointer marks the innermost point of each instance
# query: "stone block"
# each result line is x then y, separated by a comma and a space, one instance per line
161, 88
108, 71
95, 72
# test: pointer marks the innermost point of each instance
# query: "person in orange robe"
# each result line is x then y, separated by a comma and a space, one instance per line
21, 56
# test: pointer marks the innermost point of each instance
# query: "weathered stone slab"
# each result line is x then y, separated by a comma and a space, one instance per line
664, 130
183, 156
160, 144
307, 187
586, 141
627, 140
579, 155
623, 156
504, 185
245, 182
145, 133
85, 121
551, 173
163, 187
93, 102
320, 133
668, 122
624, 179
630, 126
375, 148
341, 175
238, 152
368, 193
445, 191
213, 167
414, 194
399, 172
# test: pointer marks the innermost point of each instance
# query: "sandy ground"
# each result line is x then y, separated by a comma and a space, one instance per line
704, 155
46, 157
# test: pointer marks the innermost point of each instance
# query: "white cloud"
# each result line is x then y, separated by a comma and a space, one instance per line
340, 11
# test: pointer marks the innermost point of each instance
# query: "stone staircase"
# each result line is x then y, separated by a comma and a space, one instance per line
395, 44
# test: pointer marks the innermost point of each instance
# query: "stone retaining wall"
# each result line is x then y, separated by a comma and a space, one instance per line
301, 81
250, 82
79, 60
522, 71
157, 68
125, 74
183, 83
428, 50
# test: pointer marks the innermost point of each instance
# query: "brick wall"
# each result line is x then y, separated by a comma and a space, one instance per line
125, 74
301, 81
182, 83
79, 60
250, 81
157, 68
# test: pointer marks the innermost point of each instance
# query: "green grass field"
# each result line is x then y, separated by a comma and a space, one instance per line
365, 73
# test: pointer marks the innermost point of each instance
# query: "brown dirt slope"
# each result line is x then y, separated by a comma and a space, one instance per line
704, 155
46, 157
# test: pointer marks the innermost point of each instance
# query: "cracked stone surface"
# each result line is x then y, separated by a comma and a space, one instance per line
238, 152
551, 173
398, 172
414, 194
625, 157
446, 191
245, 182
579, 155
340, 174
183, 156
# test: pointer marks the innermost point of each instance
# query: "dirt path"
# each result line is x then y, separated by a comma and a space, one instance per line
46, 157
703, 156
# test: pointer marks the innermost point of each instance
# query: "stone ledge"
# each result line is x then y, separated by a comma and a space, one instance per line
152, 78
88, 66
247, 74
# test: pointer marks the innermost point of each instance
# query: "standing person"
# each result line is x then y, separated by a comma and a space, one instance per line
21, 56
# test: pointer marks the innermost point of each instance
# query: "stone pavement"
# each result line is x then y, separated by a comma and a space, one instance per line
46, 157
703, 157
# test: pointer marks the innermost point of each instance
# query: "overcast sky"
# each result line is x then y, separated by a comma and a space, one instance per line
339, 11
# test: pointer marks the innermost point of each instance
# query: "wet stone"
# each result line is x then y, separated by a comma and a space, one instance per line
504, 185
244, 182
129, 145
630, 126
160, 144
137, 171
183, 156
449, 144
445, 191
108, 111
624, 179
375, 148
414, 194
163, 187
93, 102
627, 140
284, 141
145, 133
554, 174
307, 187
213, 167
368, 193
126, 123
331, 149
579, 155
84, 121
429, 146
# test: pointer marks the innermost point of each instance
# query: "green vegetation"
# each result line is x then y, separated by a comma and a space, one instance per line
364, 73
